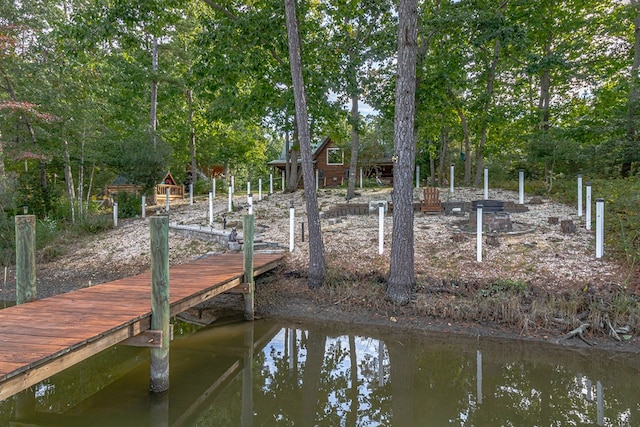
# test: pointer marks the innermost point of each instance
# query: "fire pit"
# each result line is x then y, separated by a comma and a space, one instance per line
494, 219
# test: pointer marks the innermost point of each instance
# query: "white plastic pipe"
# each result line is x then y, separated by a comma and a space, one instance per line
521, 187
587, 218
115, 214
233, 186
579, 195
451, 180
191, 194
486, 184
230, 198
599, 228
213, 188
317, 179
143, 205
248, 187
259, 189
210, 207
417, 176
380, 228
360, 177
270, 183
479, 234
283, 181
250, 201
292, 218
167, 199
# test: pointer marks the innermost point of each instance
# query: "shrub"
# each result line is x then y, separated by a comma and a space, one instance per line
129, 205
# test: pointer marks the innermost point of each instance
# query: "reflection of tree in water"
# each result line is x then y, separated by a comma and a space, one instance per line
321, 377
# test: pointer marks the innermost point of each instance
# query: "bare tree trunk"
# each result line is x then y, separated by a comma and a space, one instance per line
93, 170
154, 91
633, 109
81, 178
192, 140
491, 76
317, 261
401, 271
68, 177
355, 146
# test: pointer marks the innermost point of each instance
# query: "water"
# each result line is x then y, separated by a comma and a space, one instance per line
334, 375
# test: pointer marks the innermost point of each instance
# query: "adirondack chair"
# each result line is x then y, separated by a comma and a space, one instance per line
431, 201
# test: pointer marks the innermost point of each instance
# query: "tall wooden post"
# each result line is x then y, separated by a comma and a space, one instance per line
247, 227
25, 258
160, 301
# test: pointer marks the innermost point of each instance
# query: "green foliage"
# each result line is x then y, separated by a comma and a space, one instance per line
129, 205
93, 224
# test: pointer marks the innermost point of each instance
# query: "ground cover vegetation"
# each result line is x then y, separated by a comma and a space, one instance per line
91, 90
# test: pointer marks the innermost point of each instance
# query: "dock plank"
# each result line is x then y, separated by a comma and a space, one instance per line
41, 338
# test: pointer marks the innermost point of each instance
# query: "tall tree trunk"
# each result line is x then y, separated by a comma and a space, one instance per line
192, 140
633, 109
88, 198
401, 270
68, 177
154, 91
355, 146
491, 76
317, 261
81, 177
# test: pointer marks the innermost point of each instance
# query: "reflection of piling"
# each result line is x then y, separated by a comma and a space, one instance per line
25, 258
247, 228
160, 302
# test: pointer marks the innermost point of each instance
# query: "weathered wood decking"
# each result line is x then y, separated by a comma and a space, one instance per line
41, 338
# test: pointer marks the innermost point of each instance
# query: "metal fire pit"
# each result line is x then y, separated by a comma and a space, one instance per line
494, 219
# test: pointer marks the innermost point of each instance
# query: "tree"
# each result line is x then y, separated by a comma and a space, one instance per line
401, 277
317, 261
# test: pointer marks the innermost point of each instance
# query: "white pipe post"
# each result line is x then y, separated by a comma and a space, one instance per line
210, 208
283, 181
317, 179
270, 184
191, 194
259, 189
599, 228
479, 376
167, 199
479, 233
233, 186
143, 205
248, 188
451, 180
417, 176
360, 178
115, 214
250, 200
587, 218
230, 198
521, 187
579, 195
292, 215
486, 183
380, 228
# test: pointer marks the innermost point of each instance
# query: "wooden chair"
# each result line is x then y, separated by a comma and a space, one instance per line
431, 201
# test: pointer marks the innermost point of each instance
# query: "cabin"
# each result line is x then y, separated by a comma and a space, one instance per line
332, 169
176, 191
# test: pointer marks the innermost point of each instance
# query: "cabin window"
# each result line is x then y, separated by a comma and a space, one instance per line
335, 156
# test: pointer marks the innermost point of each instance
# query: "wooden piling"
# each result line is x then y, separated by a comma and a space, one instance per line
25, 258
247, 227
160, 302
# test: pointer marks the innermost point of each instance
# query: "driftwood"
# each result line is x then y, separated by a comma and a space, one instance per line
577, 332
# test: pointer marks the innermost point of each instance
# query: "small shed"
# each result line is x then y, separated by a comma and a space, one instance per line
176, 191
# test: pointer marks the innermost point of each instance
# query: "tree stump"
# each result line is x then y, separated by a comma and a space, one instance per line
567, 226
459, 237
492, 239
552, 220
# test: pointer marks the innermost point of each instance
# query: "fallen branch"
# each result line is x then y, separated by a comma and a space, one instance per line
577, 332
612, 332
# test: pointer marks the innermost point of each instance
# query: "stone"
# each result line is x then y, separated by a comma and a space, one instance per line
373, 206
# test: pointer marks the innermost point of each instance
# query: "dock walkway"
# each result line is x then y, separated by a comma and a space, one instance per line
43, 337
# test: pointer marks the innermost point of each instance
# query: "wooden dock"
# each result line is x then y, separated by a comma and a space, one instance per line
41, 338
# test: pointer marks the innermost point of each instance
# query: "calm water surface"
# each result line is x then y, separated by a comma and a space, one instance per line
273, 374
